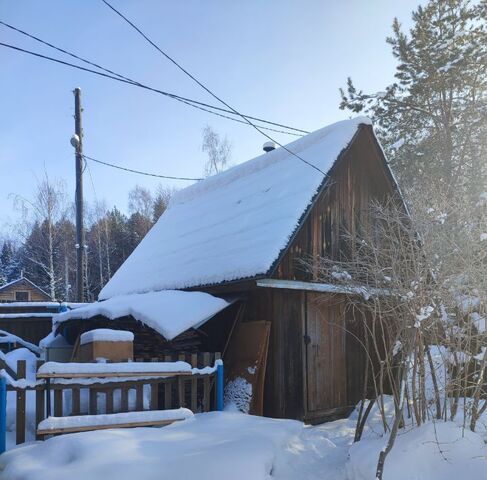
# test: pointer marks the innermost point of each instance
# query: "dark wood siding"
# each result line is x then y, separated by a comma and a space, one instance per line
32, 329
326, 354
357, 179
335, 356
283, 393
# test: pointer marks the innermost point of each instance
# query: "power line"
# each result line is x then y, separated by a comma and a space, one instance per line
187, 101
91, 180
204, 87
86, 157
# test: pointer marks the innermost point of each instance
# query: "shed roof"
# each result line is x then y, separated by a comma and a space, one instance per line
169, 312
235, 224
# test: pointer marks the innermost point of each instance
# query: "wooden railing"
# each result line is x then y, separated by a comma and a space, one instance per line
82, 396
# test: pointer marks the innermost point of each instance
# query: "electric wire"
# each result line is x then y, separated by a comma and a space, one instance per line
139, 172
187, 101
207, 89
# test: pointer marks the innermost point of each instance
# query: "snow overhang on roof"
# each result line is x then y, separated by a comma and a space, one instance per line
169, 312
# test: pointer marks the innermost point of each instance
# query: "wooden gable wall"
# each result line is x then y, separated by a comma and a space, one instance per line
357, 179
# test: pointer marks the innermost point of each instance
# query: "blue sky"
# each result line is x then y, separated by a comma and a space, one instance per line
280, 60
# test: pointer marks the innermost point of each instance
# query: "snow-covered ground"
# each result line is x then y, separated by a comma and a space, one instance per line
232, 445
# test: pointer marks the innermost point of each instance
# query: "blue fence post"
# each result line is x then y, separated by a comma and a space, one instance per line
219, 386
3, 414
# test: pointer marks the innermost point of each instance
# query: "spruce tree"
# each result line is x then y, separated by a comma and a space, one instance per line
432, 119
9, 263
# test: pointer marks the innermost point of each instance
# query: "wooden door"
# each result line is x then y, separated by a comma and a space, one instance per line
325, 355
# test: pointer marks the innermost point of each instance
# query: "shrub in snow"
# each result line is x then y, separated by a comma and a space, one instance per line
238, 394
426, 323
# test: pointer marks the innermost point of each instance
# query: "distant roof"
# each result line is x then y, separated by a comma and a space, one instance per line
32, 284
235, 224
49, 304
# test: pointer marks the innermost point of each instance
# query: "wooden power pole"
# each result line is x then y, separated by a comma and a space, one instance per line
80, 231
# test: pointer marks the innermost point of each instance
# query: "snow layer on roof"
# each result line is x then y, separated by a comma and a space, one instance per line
169, 312
106, 335
233, 225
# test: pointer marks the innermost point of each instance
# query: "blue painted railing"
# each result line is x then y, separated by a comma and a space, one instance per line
219, 386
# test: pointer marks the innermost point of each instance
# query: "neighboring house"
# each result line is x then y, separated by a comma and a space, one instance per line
23, 290
240, 236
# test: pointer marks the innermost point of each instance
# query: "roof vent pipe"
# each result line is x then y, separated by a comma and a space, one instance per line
268, 146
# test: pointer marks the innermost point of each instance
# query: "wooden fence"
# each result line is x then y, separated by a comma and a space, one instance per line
74, 397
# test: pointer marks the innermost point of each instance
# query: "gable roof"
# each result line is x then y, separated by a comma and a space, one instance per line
23, 279
233, 225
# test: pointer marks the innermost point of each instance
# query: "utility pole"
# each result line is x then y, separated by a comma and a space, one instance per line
77, 142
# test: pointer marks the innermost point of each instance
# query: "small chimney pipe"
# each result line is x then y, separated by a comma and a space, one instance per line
268, 146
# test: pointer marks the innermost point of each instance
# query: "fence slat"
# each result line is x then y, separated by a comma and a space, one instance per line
93, 401
206, 385
168, 388
194, 384
20, 420
139, 393
58, 403
40, 404
139, 398
124, 399
109, 400
154, 393
75, 401
181, 385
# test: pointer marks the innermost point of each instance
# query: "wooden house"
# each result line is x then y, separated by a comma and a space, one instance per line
22, 290
242, 234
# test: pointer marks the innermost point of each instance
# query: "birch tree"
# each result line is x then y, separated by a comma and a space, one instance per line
217, 149
40, 234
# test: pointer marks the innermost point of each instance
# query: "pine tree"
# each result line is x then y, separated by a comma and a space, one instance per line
432, 119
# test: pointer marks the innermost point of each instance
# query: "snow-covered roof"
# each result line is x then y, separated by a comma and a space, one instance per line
235, 224
169, 312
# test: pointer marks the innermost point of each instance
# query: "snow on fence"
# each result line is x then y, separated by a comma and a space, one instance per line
193, 381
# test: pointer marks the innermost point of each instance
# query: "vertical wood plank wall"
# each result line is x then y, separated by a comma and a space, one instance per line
283, 391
